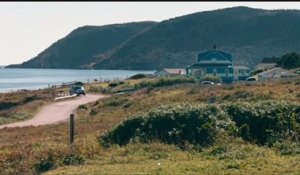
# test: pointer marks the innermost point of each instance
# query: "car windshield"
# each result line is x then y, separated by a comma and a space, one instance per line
77, 87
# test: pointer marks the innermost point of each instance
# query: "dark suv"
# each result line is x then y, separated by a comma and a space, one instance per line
78, 90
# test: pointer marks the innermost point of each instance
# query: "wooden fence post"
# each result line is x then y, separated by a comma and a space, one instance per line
71, 129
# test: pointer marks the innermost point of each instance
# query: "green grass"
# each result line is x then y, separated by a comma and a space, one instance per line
157, 158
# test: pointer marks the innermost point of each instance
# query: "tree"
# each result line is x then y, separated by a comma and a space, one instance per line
289, 60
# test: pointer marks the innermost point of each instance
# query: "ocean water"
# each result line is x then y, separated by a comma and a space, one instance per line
16, 79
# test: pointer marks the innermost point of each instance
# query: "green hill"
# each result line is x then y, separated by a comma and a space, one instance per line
249, 34
78, 49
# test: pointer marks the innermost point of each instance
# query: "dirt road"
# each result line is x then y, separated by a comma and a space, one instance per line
55, 112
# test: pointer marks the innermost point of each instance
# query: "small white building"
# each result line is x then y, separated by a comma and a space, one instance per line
170, 72
275, 73
240, 73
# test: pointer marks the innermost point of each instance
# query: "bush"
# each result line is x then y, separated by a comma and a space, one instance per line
137, 76
73, 159
172, 124
160, 82
93, 111
214, 79
115, 84
123, 132
266, 122
287, 148
45, 164
82, 107
20, 116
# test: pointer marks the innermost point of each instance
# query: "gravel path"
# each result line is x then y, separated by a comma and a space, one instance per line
55, 112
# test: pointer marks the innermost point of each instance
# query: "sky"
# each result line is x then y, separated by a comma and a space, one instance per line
28, 28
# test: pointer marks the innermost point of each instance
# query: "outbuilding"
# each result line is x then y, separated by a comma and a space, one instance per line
170, 72
275, 73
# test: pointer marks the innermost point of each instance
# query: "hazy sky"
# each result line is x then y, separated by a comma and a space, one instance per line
27, 28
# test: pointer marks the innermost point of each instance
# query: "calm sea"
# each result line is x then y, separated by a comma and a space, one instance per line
15, 79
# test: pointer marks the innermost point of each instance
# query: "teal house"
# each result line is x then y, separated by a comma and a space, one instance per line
212, 63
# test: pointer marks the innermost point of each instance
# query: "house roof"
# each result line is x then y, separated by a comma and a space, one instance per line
214, 55
206, 65
265, 65
214, 62
276, 72
173, 71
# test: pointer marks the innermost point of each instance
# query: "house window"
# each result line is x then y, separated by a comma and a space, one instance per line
236, 73
226, 72
197, 72
243, 72
203, 72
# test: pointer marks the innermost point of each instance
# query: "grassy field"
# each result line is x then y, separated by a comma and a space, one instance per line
156, 158
17, 106
34, 150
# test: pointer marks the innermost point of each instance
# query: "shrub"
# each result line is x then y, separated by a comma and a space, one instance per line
137, 76
30, 99
73, 159
20, 116
266, 122
219, 150
263, 122
172, 124
287, 148
93, 111
160, 82
123, 132
45, 164
113, 84
82, 107
7, 105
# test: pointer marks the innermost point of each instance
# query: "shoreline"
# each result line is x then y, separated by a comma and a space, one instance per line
12, 80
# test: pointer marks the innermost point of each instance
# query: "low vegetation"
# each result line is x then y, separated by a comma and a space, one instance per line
176, 124
266, 122
177, 128
17, 106
160, 82
263, 123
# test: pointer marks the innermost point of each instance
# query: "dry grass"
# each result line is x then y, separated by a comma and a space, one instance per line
22, 148
157, 158
22, 105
